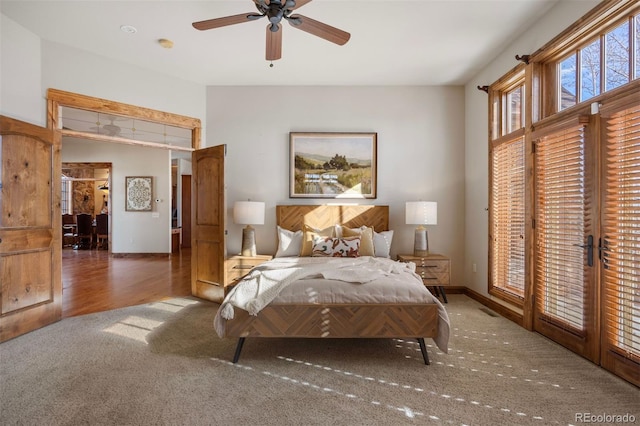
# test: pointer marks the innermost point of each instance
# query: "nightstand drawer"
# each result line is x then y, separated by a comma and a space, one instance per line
436, 266
237, 267
434, 269
434, 275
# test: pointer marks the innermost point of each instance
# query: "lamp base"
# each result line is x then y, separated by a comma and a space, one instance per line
248, 242
421, 242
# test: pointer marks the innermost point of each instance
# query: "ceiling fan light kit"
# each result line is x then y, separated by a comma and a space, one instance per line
275, 11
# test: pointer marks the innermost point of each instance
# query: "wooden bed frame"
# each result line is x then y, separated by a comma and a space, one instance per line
336, 320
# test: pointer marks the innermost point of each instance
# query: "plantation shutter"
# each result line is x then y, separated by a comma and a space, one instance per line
564, 222
621, 241
507, 218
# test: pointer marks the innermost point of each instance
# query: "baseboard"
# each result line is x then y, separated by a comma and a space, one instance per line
495, 306
136, 255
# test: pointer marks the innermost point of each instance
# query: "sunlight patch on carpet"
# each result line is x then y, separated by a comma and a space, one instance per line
134, 327
173, 305
406, 387
406, 411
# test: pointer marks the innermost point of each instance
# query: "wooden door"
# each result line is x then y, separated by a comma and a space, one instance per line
565, 266
208, 245
30, 228
620, 238
186, 210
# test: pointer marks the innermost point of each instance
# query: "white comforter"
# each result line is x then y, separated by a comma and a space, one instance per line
352, 280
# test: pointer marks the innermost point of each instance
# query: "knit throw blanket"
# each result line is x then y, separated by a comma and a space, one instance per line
265, 282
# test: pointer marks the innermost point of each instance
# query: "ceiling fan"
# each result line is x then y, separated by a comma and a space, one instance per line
276, 10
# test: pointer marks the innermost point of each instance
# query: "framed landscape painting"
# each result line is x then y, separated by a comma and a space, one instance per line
332, 165
139, 193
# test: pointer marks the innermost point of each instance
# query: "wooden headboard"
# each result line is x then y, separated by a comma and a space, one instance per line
293, 217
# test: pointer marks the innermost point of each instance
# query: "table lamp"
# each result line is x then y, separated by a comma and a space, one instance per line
248, 213
421, 213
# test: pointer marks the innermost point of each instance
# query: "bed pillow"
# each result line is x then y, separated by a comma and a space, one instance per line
289, 243
335, 247
366, 235
382, 243
308, 233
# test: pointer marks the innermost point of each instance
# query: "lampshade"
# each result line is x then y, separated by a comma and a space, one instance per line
248, 213
421, 213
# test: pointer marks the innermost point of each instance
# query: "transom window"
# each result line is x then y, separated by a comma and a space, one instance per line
602, 64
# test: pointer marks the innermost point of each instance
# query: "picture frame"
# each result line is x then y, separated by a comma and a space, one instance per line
332, 165
139, 193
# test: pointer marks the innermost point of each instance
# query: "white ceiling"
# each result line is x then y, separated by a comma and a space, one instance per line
418, 42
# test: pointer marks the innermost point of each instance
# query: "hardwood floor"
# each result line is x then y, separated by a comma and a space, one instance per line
94, 282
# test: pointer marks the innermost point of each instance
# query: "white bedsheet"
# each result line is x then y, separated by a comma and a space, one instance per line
330, 280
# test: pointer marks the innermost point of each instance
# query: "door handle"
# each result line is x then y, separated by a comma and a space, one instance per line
589, 247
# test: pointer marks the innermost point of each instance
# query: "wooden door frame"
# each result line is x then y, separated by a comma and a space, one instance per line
58, 98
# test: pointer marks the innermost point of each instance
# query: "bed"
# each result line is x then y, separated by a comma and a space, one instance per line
323, 297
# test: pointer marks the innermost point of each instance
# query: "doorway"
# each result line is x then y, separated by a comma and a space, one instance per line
86, 189
91, 119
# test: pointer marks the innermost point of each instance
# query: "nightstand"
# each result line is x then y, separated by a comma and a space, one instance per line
435, 270
236, 267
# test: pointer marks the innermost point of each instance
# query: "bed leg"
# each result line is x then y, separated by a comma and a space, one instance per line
423, 349
236, 356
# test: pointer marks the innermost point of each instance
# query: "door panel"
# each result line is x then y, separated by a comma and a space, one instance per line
30, 228
565, 296
620, 241
208, 245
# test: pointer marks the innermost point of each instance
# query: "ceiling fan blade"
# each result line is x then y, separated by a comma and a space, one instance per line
300, 3
274, 43
317, 28
223, 22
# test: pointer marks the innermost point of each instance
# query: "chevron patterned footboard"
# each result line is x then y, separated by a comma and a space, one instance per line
337, 321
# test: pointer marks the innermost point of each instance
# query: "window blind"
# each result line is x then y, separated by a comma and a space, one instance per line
562, 224
508, 216
621, 232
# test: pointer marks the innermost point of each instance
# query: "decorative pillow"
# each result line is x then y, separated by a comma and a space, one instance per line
309, 233
366, 235
335, 247
382, 243
289, 243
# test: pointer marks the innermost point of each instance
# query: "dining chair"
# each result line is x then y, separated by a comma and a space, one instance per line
68, 230
84, 231
102, 231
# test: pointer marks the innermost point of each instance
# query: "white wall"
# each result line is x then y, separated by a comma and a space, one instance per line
75, 70
131, 232
20, 64
30, 66
476, 140
420, 152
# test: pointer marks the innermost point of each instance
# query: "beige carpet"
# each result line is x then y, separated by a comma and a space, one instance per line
162, 364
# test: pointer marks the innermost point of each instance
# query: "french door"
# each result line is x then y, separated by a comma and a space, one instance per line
620, 200
587, 235
565, 265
